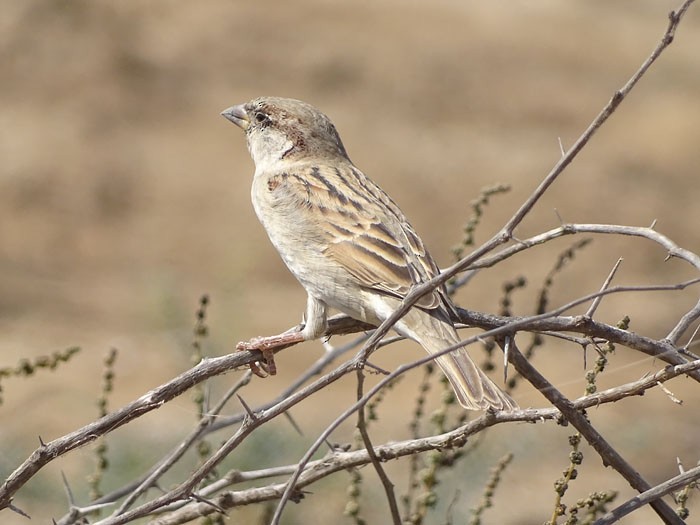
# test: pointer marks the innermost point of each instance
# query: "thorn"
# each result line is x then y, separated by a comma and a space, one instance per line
653, 224
298, 495
18, 510
692, 337
681, 470
343, 447
561, 147
606, 285
41, 442
506, 351
330, 445
292, 422
209, 502
376, 368
518, 240
207, 397
598, 349
561, 220
69, 492
250, 413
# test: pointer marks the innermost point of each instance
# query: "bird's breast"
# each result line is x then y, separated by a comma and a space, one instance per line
292, 228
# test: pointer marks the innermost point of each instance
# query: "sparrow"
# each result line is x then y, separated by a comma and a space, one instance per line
346, 241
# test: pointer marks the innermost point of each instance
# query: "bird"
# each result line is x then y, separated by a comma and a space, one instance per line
346, 241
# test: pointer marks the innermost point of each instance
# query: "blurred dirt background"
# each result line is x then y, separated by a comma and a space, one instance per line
124, 196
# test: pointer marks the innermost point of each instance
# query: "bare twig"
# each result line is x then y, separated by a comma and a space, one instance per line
346, 325
596, 302
673, 250
186, 488
670, 395
609, 109
686, 322
152, 400
603, 229
648, 496
386, 482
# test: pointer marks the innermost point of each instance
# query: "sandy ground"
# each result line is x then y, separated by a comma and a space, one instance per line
124, 197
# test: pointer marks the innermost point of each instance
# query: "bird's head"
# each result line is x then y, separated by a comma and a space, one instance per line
280, 129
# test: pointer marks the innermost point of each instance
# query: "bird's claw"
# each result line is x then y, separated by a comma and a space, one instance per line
265, 367
266, 346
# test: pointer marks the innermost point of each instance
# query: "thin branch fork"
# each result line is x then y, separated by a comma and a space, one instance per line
180, 450
541, 324
339, 460
671, 247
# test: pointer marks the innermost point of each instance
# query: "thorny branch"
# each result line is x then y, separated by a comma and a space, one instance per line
339, 460
188, 500
210, 367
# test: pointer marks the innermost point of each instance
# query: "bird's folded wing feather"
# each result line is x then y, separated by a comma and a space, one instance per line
367, 234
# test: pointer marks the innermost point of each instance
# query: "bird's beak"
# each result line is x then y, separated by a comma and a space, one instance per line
237, 115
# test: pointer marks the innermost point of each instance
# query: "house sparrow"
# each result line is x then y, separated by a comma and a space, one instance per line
345, 240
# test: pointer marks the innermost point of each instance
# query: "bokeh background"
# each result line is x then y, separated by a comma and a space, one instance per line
124, 196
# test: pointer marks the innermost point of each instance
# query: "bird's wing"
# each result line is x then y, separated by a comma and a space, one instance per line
367, 234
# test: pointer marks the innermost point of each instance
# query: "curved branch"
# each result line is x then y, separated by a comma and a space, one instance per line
573, 228
635, 231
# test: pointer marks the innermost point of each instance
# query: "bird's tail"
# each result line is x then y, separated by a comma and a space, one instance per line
473, 388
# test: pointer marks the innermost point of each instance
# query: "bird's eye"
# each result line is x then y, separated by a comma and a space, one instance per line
260, 117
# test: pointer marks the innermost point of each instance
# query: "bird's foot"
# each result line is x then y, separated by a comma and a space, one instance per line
267, 346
